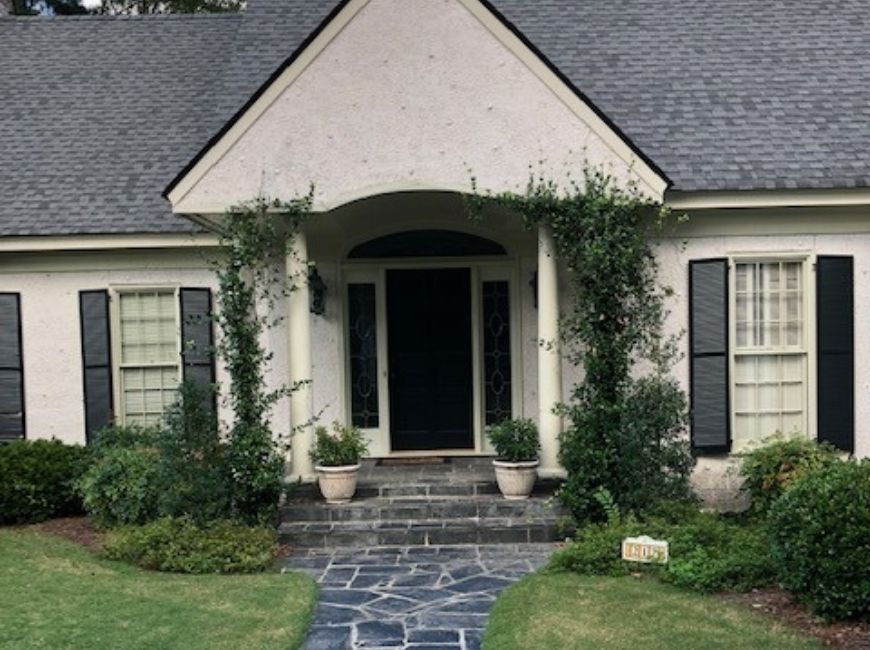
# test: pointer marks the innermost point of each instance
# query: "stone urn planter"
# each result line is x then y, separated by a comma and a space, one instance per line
337, 484
516, 444
336, 455
516, 480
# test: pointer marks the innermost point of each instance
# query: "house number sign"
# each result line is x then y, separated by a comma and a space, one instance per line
644, 549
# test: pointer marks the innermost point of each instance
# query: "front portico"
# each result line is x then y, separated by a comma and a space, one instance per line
430, 327
433, 322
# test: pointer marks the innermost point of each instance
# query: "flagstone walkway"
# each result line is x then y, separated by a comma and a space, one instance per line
411, 597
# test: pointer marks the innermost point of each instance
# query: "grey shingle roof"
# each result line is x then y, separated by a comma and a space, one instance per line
99, 114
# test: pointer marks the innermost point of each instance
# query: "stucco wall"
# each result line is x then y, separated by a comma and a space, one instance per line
409, 94
49, 284
51, 338
715, 476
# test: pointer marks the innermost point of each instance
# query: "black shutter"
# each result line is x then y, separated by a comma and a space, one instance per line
96, 360
11, 369
836, 351
197, 342
708, 355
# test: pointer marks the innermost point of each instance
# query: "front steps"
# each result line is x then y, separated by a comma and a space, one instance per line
430, 511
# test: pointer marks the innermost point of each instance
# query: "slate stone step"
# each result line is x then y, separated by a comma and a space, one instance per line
420, 532
429, 488
379, 509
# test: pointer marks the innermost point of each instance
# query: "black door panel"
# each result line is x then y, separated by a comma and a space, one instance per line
429, 334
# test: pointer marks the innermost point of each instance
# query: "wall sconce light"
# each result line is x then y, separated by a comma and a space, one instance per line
317, 287
533, 283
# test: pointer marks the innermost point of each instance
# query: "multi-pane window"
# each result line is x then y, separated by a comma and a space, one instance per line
770, 350
149, 369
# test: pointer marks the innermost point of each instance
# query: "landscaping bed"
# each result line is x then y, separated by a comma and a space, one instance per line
779, 605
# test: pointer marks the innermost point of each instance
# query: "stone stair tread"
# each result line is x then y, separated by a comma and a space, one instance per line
360, 502
375, 525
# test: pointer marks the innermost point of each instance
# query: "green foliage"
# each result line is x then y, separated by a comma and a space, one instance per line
708, 552
256, 239
37, 480
121, 485
716, 553
192, 471
178, 545
820, 539
344, 446
596, 550
770, 469
515, 440
627, 417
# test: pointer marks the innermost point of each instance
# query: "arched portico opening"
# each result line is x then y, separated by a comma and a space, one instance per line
430, 331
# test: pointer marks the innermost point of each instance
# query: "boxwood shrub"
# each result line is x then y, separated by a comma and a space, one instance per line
820, 539
120, 484
179, 545
770, 469
37, 480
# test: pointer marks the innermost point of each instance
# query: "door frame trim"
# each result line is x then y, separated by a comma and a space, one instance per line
482, 269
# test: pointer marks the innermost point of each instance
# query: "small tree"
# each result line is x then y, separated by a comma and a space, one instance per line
627, 416
256, 238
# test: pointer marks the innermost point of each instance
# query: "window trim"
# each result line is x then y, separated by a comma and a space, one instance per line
115, 292
808, 260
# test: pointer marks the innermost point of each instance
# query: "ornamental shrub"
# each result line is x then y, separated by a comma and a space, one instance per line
192, 470
820, 542
771, 468
515, 441
37, 480
626, 419
255, 240
708, 552
179, 545
120, 485
344, 446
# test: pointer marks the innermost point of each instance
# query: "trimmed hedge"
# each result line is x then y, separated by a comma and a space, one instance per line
37, 480
820, 540
178, 545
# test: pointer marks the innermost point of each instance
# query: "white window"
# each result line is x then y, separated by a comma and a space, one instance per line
769, 349
147, 339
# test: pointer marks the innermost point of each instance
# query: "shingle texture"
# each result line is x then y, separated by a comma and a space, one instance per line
99, 114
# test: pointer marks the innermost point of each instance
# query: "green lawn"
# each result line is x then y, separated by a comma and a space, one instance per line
566, 611
55, 594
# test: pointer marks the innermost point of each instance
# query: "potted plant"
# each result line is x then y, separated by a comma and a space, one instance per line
336, 456
516, 446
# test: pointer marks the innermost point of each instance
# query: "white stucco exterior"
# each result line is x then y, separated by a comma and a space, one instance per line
49, 283
390, 113
438, 99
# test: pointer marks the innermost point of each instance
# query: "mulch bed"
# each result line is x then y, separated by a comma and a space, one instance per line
76, 529
780, 605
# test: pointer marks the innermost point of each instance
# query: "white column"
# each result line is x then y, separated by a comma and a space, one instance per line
299, 351
549, 359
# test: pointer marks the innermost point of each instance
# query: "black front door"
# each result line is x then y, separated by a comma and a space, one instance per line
429, 341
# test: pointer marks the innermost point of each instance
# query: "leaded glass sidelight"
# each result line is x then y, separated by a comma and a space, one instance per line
363, 355
497, 352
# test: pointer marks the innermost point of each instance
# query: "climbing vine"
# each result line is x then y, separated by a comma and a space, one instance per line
255, 240
625, 420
